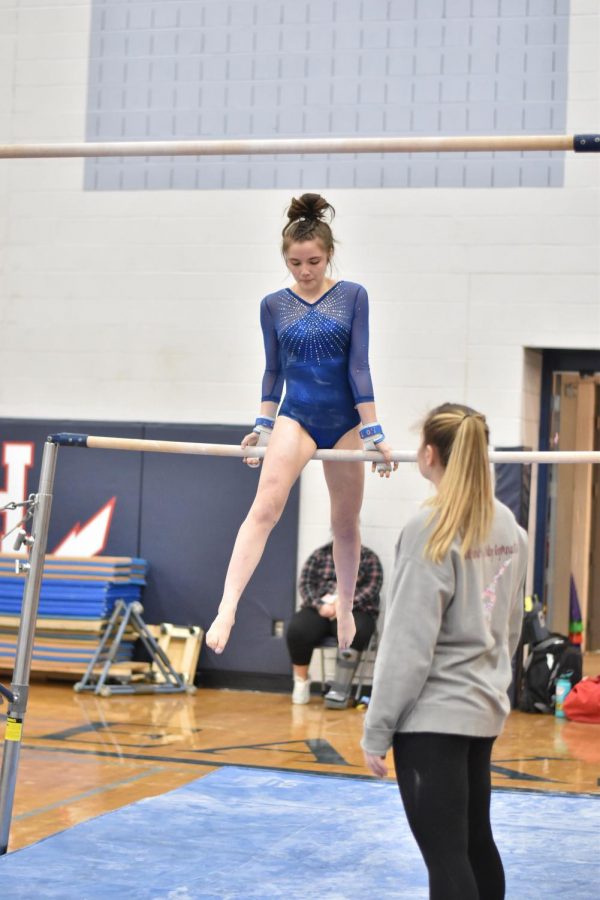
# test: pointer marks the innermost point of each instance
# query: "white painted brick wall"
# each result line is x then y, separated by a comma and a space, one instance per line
137, 305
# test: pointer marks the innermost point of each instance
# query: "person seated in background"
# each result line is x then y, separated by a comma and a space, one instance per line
316, 619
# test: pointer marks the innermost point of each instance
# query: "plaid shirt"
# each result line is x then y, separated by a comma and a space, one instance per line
318, 578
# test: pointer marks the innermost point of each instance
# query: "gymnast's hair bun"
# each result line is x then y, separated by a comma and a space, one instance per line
308, 219
311, 207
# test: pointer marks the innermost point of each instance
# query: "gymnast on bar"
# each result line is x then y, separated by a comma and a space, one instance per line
316, 337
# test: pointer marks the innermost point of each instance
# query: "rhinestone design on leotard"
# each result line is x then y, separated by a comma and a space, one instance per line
319, 351
312, 332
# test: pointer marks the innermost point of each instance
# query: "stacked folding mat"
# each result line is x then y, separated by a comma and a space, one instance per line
76, 600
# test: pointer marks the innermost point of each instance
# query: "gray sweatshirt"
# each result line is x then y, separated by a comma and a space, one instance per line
450, 632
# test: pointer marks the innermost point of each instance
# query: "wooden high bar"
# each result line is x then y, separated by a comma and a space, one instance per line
580, 143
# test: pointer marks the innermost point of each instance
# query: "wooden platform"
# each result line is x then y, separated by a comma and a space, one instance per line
82, 756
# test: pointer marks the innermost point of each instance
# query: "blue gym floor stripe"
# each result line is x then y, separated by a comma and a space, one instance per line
243, 834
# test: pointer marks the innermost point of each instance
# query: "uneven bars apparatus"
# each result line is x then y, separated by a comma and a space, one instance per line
33, 569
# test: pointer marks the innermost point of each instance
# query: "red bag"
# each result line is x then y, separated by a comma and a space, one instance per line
582, 703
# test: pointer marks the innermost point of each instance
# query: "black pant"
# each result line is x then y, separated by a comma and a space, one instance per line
308, 629
445, 785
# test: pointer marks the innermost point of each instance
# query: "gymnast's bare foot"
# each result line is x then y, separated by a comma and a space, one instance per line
218, 633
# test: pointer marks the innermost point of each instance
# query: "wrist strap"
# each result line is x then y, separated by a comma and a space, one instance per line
372, 432
263, 422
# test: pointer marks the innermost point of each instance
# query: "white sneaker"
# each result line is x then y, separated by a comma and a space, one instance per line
301, 692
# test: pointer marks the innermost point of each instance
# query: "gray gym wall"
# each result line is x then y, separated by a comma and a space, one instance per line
311, 68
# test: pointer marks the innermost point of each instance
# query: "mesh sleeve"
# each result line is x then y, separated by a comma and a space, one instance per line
359, 373
272, 383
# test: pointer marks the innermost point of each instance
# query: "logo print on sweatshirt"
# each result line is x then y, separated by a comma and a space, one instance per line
489, 595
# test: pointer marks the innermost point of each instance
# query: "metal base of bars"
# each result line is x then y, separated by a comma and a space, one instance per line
106, 654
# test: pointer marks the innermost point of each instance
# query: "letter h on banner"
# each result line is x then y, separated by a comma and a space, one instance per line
17, 459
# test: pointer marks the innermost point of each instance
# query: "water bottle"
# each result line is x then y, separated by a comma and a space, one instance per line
563, 686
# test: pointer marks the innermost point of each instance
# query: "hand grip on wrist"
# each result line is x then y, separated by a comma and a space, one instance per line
263, 427
371, 435
263, 424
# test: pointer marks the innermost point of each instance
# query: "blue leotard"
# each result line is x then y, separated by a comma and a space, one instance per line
320, 350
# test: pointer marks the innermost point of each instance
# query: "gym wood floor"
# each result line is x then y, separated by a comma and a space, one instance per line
82, 756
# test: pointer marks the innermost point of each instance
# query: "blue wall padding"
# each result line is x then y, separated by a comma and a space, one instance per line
181, 513
512, 486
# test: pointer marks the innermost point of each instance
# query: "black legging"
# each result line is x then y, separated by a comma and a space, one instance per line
308, 629
445, 785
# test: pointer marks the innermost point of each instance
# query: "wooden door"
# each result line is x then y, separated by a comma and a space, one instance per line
592, 625
573, 428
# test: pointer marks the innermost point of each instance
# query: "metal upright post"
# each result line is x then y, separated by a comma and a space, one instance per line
24, 651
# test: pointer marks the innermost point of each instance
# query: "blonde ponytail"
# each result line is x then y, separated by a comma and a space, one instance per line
464, 503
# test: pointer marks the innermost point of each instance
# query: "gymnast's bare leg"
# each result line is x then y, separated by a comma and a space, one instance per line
290, 448
345, 481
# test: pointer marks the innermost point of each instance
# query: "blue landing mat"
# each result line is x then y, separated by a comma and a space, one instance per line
246, 834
